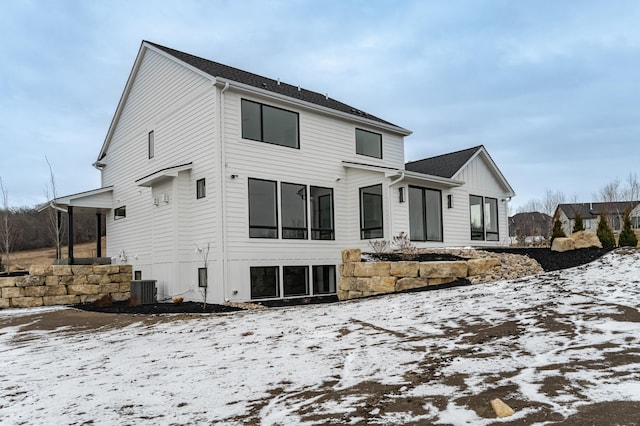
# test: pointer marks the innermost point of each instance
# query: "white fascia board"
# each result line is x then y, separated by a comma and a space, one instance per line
87, 199
451, 183
170, 172
328, 111
494, 169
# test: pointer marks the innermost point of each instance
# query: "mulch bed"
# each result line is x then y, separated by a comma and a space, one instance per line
553, 260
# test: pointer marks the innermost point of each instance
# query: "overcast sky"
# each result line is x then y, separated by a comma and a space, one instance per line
551, 89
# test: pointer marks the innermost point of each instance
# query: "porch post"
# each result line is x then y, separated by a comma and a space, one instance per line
70, 233
58, 222
99, 234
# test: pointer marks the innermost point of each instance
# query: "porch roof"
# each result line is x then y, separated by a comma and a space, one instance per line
95, 200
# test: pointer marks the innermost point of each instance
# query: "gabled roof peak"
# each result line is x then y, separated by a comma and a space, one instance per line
444, 165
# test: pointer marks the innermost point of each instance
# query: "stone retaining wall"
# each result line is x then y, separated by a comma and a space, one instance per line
65, 285
361, 279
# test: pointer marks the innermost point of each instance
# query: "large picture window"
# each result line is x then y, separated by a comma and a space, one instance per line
294, 210
371, 220
368, 143
295, 280
484, 218
263, 212
491, 219
269, 124
425, 214
264, 282
321, 213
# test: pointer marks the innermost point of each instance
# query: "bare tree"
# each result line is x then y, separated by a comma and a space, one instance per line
53, 216
632, 188
533, 205
7, 231
551, 200
609, 193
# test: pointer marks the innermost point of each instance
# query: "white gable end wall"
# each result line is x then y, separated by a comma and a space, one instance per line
179, 106
480, 180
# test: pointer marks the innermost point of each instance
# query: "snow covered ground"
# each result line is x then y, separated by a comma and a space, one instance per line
548, 346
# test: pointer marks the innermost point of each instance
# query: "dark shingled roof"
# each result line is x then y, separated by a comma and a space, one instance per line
446, 165
593, 210
216, 69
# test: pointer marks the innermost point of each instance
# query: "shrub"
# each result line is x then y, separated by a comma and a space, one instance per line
557, 231
408, 250
178, 300
605, 234
1, 265
379, 246
627, 236
577, 224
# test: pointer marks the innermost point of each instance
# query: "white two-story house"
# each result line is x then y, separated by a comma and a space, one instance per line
219, 178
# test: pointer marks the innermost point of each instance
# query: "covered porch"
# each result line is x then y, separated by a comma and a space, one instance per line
97, 202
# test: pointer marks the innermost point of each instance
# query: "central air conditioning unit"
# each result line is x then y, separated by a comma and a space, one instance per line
143, 292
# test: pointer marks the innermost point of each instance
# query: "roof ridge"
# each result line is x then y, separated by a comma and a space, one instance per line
266, 83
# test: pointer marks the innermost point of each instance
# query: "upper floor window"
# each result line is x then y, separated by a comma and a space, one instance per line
368, 143
371, 212
484, 218
425, 214
269, 124
151, 144
201, 188
263, 211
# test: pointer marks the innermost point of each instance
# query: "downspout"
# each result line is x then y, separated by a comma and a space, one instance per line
390, 203
223, 186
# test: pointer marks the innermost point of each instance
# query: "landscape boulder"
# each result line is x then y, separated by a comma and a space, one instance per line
584, 239
561, 244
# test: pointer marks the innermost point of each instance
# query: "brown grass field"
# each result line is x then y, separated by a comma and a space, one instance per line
21, 260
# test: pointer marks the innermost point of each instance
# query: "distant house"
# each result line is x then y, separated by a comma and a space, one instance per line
216, 177
531, 227
590, 214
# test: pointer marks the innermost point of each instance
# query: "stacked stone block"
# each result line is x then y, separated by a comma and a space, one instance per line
65, 284
361, 279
